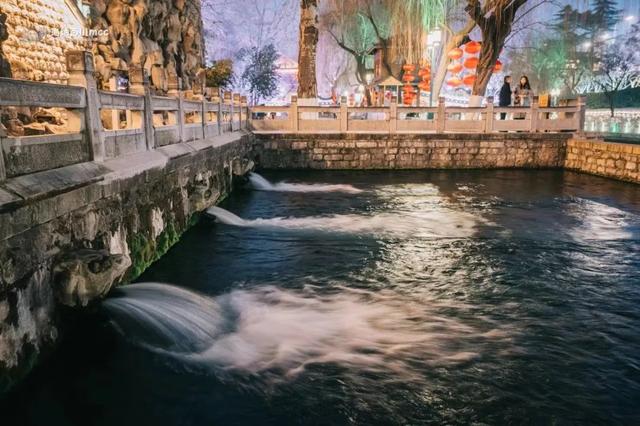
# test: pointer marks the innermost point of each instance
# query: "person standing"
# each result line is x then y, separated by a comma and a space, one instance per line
523, 95
504, 100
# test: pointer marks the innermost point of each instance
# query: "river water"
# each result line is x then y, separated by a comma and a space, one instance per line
371, 298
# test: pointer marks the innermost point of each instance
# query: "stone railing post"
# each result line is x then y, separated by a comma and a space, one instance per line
228, 100
80, 68
534, 114
139, 85
236, 102
3, 170
295, 117
243, 105
175, 90
344, 115
490, 116
204, 116
219, 115
441, 119
581, 114
393, 115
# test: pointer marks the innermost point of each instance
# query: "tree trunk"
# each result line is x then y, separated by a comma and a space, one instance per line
487, 61
496, 27
307, 85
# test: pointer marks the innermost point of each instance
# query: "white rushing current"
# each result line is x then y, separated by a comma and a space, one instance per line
261, 184
283, 331
426, 224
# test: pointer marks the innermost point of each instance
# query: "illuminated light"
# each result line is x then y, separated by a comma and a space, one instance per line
472, 47
455, 53
469, 79
454, 67
471, 63
454, 82
629, 18
586, 45
498, 66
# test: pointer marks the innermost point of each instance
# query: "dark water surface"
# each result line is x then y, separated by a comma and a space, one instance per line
435, 297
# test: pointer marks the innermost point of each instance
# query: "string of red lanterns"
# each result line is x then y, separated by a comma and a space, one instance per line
471, 49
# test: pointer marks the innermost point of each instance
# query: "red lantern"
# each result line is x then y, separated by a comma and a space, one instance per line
408, 78
498, 66
424, 72
455, 53
424, 85
469, 79
408, 68
471, 63
454, 82
454, 67
472, 47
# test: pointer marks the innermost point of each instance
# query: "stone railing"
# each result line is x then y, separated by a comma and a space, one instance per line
103, 125
399, 119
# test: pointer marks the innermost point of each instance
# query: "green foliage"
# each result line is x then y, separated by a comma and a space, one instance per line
220, 73
628, 98
260, 74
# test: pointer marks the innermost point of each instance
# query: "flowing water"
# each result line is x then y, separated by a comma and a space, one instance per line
377, 298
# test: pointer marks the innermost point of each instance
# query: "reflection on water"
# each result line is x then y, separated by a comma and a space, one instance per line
441, 297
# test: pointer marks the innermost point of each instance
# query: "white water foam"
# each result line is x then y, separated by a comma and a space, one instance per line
261, 184
281, 332
425, 224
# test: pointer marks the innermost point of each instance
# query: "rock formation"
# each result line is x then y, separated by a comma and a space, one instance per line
162, 36
5, 69
39, 32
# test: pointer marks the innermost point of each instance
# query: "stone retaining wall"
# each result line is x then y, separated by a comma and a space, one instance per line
614, 160
67, 235
383, 151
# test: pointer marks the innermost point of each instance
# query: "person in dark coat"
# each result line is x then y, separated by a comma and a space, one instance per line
504, 99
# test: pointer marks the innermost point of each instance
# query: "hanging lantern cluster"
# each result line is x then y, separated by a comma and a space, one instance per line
408, 91
425, 75
465, 58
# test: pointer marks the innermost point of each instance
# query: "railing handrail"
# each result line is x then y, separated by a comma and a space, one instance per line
85, 102
466, 118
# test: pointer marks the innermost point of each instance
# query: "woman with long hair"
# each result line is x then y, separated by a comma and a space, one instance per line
523, 92
522, 96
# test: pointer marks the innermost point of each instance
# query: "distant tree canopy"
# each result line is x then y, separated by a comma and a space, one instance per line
220, 74
580, 48
260, 75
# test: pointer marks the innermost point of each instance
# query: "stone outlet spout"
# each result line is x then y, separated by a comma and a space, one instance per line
87, 275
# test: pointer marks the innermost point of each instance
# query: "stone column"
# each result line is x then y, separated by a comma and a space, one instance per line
236, 102
175, 90
293, 111
243, 103
229, 101
488, 126
80, 69
393, 115
139, 85
344, 115
441, 118
582, 113
219, 116
534, 114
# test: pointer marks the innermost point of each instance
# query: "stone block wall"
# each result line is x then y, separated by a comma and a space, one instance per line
614, 160
68, 235
383, 151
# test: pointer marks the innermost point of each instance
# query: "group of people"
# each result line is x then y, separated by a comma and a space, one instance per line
521, 96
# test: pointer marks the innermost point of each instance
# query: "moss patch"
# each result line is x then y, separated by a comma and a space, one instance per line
144, 250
